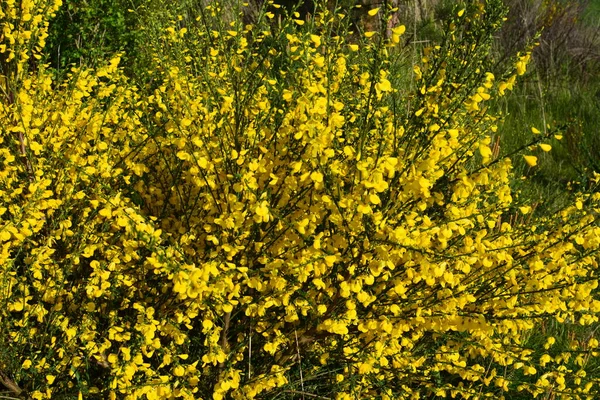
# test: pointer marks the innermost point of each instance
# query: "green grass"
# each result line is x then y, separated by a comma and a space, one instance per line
592, 13
573, 112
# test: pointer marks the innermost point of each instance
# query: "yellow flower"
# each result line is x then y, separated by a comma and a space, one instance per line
399, 30
178, 371
262, 211
316, 40
316, 176
485, 151
531, 160
525, 209
383, 86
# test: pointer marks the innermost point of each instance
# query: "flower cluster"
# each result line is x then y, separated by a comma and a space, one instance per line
276, 214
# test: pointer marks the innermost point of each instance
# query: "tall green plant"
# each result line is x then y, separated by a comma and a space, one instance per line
91, 31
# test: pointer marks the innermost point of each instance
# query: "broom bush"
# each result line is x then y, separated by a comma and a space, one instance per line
274, 215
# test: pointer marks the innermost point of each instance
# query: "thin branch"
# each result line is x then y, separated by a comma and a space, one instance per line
314, 396
299, 363
10, 384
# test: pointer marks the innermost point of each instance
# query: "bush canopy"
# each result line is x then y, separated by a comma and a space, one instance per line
272, 211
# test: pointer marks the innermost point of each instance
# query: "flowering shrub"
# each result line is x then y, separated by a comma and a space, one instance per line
276, 216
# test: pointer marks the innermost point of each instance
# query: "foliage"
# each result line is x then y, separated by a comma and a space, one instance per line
568, 44
84, 31
275, 216
560, 92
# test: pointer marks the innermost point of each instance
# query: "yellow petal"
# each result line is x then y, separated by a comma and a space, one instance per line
399, 30
531, 160
316, 176
373, 198
262, 209
384, 86
461, 12
330, 260
5, 236
485, 151
202, 162
535, 130
364, 209
316, 40
525, 209
545, 147
373, 11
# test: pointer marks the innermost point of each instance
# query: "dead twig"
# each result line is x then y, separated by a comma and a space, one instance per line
11, 385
